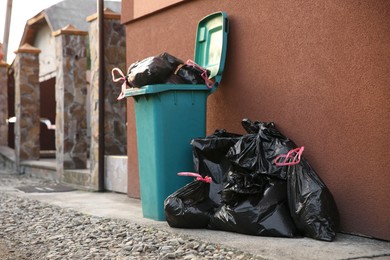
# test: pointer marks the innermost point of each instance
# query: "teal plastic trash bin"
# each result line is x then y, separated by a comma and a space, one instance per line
169, 116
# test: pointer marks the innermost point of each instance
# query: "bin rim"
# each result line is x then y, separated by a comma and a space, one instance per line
158, 88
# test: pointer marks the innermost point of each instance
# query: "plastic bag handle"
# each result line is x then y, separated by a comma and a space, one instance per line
295, 154
122, 77
197, 176
209, 82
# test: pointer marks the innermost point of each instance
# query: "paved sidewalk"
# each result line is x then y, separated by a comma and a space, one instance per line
114, 205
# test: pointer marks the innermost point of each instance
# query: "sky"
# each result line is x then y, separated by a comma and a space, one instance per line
22, 10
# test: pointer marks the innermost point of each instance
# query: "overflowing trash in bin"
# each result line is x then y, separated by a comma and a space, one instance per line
161, 69
260, 185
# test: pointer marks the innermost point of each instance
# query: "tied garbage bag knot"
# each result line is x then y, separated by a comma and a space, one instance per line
256, 151
198, 177
193, 73
291, 158
121, 78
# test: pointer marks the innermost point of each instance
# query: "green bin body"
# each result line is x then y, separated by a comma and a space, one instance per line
169, 116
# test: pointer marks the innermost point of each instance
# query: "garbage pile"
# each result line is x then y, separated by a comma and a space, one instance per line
162, 69
256, 184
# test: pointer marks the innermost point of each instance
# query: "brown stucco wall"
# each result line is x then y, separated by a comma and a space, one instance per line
318, 69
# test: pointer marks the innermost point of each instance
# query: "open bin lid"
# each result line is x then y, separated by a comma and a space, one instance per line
211, 44
210, 53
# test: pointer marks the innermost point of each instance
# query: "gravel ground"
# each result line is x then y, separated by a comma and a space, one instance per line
30, 229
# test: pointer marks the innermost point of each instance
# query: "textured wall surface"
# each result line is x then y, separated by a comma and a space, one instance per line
115, 111
318, 69
71, 91
3, 103
27, 125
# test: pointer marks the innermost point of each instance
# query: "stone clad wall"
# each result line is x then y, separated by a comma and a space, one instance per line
3, 104
27, 109
115, 111
71, 92
71, 103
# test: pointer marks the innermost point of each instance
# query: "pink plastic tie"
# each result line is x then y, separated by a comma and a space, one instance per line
291, 158
198, 177
122, 77
209, 82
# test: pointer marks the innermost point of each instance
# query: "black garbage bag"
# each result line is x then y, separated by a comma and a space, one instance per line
190, 206
239, 184
311, 204
256, 151
264, 213
247, 153
192, 73
152, 70
209, 155
174, 79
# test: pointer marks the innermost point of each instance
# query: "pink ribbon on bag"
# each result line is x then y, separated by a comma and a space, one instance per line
198, 177
294, 154
209, 82
122, 77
